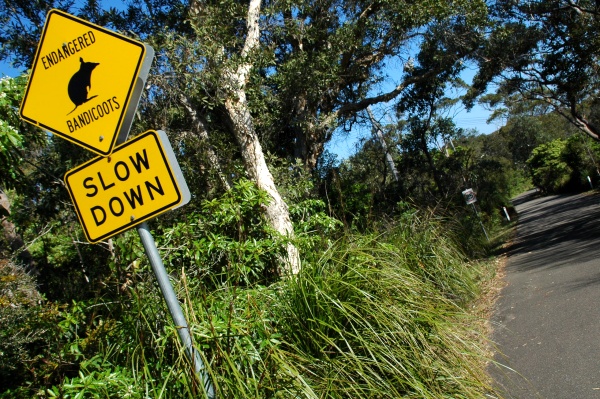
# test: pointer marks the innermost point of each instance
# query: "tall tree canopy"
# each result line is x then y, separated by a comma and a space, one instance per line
318, 63
546, 51
274, 75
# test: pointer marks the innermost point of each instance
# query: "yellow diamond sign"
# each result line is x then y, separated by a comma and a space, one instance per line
83, 80
138, 181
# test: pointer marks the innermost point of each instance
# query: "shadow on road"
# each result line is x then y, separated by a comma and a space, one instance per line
526, 197
545, 321
572, 231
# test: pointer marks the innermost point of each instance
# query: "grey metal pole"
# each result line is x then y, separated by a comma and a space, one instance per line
480, 222
174, 308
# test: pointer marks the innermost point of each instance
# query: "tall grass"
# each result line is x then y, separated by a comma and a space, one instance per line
374, 316
363, 325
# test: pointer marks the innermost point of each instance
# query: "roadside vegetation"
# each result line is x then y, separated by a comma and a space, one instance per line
374, 314
302, 274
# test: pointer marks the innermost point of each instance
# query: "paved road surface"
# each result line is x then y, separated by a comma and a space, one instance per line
547, 320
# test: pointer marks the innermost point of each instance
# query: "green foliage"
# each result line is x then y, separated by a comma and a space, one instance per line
38, 339
561, 165
373, 316
376, 314
14, 135
549, 171
364, 325
227, 238
545, 52
18, 307
99, 379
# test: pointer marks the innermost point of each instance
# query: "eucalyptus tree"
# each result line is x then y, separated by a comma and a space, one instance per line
272, 75
321, 63
378, 132
425, 104
335, 58
546, 51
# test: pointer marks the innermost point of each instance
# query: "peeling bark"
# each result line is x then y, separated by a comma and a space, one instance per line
379, 133
277, 211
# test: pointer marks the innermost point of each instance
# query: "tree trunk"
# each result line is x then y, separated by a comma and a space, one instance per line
200, 130
243, 128
388, 157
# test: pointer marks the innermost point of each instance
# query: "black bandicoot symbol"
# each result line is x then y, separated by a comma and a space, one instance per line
80, 83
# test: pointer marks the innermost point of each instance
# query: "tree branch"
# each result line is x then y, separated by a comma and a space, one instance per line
202, 133
349, 108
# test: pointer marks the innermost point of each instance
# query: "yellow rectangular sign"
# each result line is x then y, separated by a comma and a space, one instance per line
138, 181
82, 81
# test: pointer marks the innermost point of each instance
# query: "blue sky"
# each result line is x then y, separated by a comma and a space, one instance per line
6, 70
345, 144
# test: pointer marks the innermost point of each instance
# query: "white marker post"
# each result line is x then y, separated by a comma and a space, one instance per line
506, 213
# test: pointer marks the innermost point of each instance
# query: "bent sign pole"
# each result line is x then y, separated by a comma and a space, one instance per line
161, 274
162, 277
140, 179
174, 308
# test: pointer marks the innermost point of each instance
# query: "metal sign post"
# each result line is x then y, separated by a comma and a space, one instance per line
174, 308
471, 199
164, 283
85, 85
480, 222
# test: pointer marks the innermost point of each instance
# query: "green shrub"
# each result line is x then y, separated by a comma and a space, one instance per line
360, 322
562, 165
377, 315
34, 347
19, 304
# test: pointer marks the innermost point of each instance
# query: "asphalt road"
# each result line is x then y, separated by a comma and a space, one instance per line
547, 319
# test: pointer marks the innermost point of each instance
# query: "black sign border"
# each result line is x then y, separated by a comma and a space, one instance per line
137, 220
127, 98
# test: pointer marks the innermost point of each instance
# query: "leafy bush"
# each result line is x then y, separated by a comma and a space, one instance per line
226, 239
34, 346
562, 165
373, 316
19, 303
